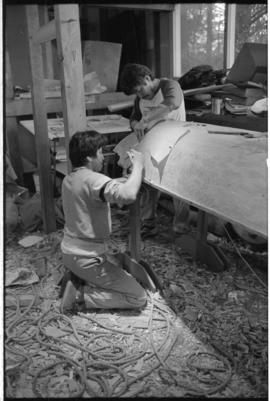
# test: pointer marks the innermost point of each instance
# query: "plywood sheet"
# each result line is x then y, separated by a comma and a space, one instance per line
104, 124
225, 175
104, 59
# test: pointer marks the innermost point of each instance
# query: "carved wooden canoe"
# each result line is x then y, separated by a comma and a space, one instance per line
224, 174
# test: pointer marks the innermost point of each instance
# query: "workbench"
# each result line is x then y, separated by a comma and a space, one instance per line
114, 126
249, 122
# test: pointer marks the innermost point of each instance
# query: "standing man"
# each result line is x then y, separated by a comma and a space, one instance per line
158, 99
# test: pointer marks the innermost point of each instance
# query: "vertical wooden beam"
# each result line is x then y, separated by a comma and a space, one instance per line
69, 55
48, 54
135, 229
11, 126
40, 121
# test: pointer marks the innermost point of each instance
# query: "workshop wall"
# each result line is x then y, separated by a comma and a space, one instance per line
144, 35
17, 44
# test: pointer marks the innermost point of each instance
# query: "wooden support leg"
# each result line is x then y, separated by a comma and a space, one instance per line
135, 229
199, 249
132, 260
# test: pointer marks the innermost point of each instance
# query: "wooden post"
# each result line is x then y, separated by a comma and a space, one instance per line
48, 59
202, 225
135, 229
69, 55
11, 128
40, 121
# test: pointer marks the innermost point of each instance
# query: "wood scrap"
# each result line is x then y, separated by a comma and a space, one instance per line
206, 319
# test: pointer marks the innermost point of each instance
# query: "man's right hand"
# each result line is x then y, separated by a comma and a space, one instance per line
139, 133
139, 129
136, 158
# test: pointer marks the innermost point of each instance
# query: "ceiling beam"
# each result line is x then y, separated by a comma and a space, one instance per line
154, 7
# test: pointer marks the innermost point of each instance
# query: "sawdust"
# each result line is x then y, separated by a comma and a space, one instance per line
207, 334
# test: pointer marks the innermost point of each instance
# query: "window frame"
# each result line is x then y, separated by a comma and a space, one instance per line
229, 56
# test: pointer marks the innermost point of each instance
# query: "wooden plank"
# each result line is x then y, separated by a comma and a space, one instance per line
135, 236
13, 146
12, 142
102, 58
70, 60
48, 59
22, 107
45, 33
155, 7
104, 124
40, 122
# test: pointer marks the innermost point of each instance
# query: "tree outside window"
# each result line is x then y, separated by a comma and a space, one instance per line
202, 33
251, 24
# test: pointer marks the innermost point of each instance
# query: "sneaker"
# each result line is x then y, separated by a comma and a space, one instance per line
72, 298
148, 231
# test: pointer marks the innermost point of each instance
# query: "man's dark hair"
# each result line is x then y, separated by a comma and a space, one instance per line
83, 144
132, 76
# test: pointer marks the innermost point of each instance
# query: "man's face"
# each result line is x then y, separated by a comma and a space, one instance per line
146, 89
97, 162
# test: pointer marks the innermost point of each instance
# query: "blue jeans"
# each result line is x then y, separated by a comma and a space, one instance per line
108, 285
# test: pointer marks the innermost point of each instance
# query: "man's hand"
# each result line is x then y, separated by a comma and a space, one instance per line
136, 158
139, 129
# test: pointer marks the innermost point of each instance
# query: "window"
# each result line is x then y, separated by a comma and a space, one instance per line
251, 24
202, 35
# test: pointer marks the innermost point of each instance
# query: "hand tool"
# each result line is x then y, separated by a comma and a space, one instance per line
241, 133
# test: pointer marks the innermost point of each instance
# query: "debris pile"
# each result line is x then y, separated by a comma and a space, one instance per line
206, 334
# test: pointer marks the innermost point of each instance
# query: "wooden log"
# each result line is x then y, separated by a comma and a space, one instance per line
40, 122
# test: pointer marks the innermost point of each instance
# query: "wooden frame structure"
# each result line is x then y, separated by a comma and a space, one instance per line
65, 29
41, 31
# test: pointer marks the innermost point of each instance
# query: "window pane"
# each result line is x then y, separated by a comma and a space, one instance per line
202, 35
251, 24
